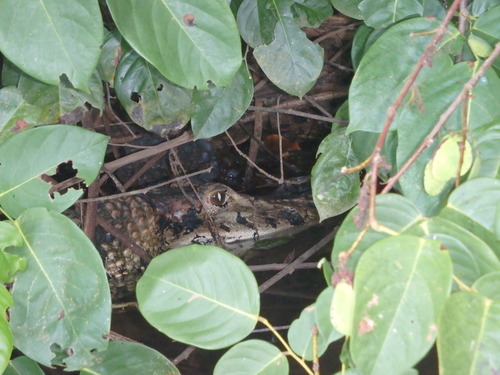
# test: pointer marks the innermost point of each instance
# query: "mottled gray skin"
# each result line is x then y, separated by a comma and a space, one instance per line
218, 215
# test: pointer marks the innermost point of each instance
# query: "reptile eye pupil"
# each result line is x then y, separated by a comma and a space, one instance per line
218, 198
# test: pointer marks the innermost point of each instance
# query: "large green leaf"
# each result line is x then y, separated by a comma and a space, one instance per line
379, 14
5, 333
311, 13
9, 264
124, 357
471, 256
401, 285
291, 61
468, 339
200, 295
26, 156
149, 98
374, 87
110, 57
313, 317
489, 285
479, 199
252, 357
393, 211
256, 22
333, 192
62, 303
348, 7
216, 109
54, 37
15, 113
49, 102
189, 42
486, 140
23, 366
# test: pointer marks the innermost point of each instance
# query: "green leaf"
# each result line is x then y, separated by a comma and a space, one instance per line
333, 192
23, 366
291, 61
468, 339
5, 333
190, 42
314, 318
382, 13
393, 211
486, 26
26, 156
15, 113
151, 100
374, 87
256, 22
445, 163
199, 295
479, 46
487, 162
471, 256
478, 199
216, 109
51, 38
71, 99
50, 102
311, 13
350, 8
489, 285
252, 357
124, 357
322, 316
9, 264
478, 7
359, 44
110, 57
61, 301
401, 284
342, 308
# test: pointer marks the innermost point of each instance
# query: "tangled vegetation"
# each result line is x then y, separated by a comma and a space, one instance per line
413, 265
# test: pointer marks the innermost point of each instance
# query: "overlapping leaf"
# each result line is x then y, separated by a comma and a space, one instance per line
468, 335
21, 188
253, 357
51, 38
151, 100
291, 61
132, 357
401, 285
334, 192
62, 303
189, 42
191, 292
216, 109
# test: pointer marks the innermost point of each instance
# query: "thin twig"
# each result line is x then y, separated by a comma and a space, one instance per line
146, 189
280, 144
297, 113
115, 164
280, 266
248, 159
291, 267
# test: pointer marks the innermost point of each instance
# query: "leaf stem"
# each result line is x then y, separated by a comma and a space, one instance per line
289, 350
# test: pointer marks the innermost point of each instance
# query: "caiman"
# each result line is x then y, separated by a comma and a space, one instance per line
218, 215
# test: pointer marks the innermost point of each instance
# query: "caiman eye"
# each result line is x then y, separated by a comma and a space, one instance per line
218, 198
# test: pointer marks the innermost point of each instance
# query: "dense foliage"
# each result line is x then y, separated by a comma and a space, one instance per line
406, 269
